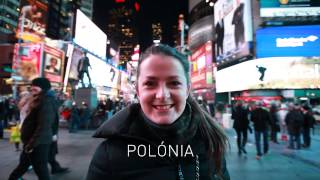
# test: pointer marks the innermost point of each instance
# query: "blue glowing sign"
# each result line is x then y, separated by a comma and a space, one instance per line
288, 41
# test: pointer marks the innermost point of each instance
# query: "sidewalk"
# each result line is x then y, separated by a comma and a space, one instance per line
307, 155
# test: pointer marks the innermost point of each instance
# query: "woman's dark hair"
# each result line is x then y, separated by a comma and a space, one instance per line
210, 130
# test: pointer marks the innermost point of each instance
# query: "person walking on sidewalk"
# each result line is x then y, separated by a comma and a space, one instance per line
261, 120
241, 125
55, 165
308, 123
294, 121
275, 127
36, 132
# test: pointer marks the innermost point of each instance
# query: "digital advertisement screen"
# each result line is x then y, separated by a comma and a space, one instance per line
287, 8
33, 16
233, 29
27, 61
89, 36
53, 64
288, 41
202, 67
101, 73
270, 73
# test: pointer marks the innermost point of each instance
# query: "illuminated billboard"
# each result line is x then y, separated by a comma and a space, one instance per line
102, 74
270, 73
32, 21
288, 41
233, 29
53, 61
202, 67
89, 36
289, 8
27, 61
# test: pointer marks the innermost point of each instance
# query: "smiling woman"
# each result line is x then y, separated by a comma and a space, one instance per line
166, 135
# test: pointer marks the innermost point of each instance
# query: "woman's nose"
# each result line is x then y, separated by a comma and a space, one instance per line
163, 92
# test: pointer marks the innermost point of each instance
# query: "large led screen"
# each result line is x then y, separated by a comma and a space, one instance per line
102, 74
288, 41
287, 8
270, 73
89, 36
202, 67
33, 18
233, 29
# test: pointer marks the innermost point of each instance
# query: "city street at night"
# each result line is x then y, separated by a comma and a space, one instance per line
76, 150
161, 79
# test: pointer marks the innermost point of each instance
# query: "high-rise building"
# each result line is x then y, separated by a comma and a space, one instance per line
121, 29
87, 7
60, 18
9, 13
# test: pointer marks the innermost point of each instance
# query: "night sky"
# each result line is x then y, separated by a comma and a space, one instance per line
164, 11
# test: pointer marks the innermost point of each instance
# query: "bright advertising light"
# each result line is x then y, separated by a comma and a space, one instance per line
89, 36
270, 73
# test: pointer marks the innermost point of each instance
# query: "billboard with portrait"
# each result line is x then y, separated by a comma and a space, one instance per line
289, 8
32, 21
53, 60
27, 61
233, 29
288, 41
202, 67
270, 73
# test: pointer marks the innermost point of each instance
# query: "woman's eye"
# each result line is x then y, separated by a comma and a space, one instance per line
148, 83
175, 83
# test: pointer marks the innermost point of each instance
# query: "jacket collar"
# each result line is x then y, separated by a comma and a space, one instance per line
131, 122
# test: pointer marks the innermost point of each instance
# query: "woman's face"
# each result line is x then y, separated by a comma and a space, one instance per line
162, 88
35, 90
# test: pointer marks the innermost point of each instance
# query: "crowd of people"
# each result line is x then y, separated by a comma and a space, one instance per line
291, 120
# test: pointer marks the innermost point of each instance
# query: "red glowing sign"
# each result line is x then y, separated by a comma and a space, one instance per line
120, 1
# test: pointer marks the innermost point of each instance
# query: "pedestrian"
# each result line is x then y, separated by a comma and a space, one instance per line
294, 121
15, 136
282, 113
74, 118
167, 119
55, 165
85, 115
308, 123
275, 127
36, 132
261, 120
241, 126
2, 114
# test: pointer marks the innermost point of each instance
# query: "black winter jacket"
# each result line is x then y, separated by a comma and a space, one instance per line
261, 119
37, 127
112, 160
